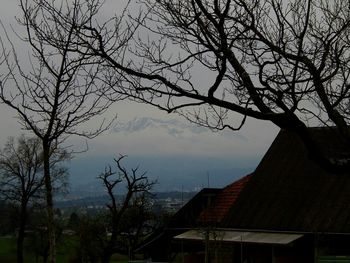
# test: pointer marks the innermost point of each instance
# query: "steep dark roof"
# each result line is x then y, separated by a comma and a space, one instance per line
289, 192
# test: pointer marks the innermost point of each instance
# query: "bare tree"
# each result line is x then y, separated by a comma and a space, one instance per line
286, 62
138, 222
137, 186
21, 177
60, 92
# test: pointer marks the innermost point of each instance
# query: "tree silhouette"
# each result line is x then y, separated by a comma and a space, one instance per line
220, 62
60, 93
21, 177
137, 187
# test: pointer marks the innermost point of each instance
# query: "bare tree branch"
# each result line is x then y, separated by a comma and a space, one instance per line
268, 60
137, 187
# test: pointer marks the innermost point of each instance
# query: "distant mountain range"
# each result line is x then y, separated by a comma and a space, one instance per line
178, 154
173, 127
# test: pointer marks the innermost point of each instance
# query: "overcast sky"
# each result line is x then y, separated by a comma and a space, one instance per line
253, 140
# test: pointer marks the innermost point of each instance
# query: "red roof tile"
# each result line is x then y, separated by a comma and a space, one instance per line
223, 201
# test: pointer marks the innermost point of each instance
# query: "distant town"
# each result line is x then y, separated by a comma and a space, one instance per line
161, 202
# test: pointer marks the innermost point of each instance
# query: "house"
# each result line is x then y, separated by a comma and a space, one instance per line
207, 208
290, 209
159, 247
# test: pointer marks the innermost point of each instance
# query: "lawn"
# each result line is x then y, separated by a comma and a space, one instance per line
65, 252
8, 251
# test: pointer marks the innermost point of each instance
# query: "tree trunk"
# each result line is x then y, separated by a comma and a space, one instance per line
106, 258
49, 205
107, 253
109, 248
21, 231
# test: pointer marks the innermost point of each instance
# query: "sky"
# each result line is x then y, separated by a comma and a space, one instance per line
175, 152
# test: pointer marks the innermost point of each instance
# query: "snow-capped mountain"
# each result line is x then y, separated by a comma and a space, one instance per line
172, 127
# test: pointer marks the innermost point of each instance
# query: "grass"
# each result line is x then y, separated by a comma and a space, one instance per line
65, 252
8, 251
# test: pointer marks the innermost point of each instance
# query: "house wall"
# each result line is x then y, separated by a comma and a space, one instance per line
194, 258
236, 253
301, 251
308, 249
